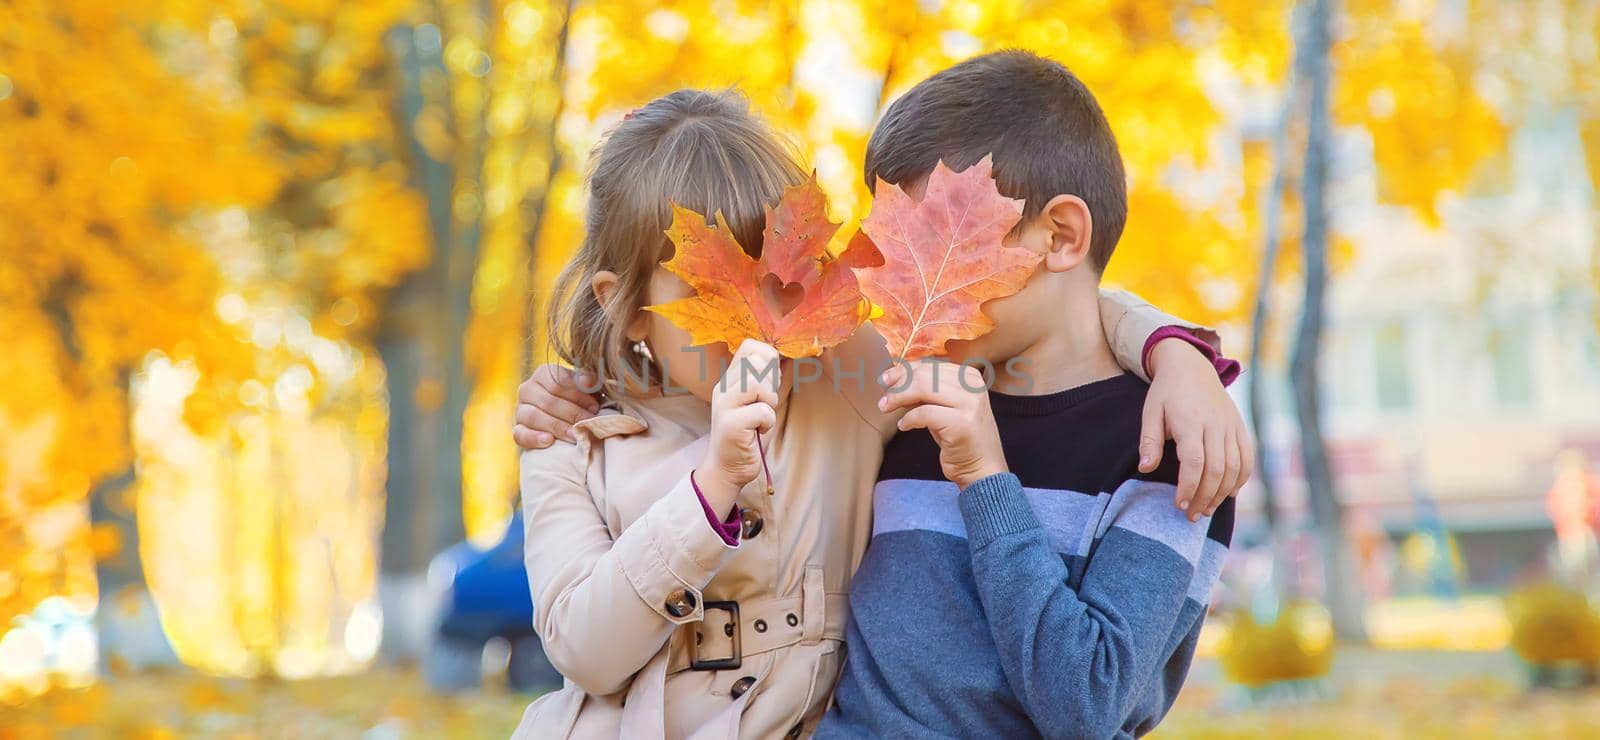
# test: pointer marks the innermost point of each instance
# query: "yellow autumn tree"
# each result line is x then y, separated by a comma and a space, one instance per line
517, 106
1542, 59
1431, 129
207, 208
117, 135
262, 504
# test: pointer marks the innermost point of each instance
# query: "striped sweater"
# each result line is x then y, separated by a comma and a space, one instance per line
1062, 600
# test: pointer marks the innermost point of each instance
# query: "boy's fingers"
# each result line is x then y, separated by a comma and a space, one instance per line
926, 417
1152, 436
892, 377
559, 381
971, 378
538, 420
900, 377
564, 412
1191, 459
529, 439
582, 381
1230, 473
921, 393
733, 396
571, 393
1211, 479
1247, 459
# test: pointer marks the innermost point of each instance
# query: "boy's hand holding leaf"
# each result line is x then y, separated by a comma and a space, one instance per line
950, 401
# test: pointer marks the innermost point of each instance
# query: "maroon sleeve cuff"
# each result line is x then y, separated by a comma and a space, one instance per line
1227, 368
727, 529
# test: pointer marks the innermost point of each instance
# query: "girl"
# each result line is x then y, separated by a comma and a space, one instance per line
676, 595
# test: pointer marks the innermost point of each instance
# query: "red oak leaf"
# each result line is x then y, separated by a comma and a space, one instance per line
943, 258
797, 297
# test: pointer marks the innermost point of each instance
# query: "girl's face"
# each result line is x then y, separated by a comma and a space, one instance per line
696, 369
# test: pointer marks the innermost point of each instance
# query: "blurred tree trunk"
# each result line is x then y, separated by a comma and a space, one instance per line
126, 627
421, 343
1267, 474
111, 509
457, 160
1344, 600
1272, 210
536, 202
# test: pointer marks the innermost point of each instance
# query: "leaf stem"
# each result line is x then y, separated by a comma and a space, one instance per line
762, 450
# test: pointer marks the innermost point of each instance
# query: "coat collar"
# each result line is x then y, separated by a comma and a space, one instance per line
633, 415
612, 421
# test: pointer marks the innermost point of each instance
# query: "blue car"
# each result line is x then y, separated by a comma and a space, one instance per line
486, 600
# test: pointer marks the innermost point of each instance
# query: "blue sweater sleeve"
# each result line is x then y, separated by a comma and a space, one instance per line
1078, 658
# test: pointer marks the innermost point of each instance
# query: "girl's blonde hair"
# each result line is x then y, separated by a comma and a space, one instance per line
704, 151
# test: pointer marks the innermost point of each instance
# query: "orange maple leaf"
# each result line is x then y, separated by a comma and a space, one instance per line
797, 297
943, 258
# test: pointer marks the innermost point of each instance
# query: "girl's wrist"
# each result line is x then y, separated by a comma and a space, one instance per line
715, 487
716, 507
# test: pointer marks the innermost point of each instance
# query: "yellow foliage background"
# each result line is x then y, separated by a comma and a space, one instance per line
209, 208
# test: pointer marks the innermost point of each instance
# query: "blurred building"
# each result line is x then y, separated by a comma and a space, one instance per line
1460, 361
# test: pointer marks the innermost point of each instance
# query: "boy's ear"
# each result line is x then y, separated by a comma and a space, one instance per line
605, 284
1066, 218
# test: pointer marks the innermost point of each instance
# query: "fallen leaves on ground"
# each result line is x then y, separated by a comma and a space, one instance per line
1379, 694
1370, 694
170, 704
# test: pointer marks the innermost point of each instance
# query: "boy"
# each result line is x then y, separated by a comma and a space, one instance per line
1024, 578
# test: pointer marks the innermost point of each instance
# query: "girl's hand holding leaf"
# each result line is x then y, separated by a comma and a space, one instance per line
743, 406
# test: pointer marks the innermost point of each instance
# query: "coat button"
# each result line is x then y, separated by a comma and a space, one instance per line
680, 603
761, 625
742, 685
791, 619
751, 524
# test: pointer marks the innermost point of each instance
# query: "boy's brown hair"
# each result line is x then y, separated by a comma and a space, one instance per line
1045, 129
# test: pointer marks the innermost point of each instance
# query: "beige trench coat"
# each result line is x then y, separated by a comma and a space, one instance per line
663, 630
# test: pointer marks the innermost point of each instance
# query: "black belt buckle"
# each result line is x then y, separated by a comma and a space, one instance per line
719, 664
